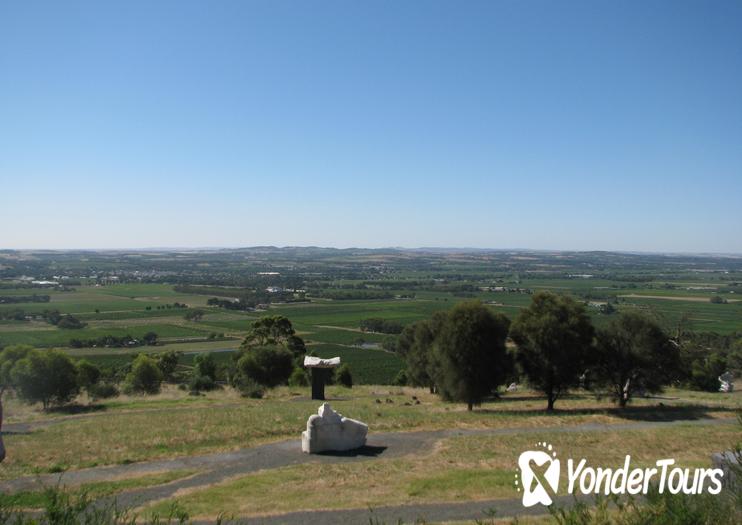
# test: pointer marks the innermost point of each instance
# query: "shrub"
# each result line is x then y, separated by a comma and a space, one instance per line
88, 374
167, 362
298, 377
200, 383
145, 376
401, 378
205, 366
343, 376
103, 391
69, 322
250, 388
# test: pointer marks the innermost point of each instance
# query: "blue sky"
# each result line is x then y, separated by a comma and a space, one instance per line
500, 124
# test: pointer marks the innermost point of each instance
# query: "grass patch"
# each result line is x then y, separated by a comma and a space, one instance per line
38, 499
463, 468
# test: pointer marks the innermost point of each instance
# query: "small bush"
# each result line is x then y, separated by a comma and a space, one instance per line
250, 388
103, 391
145, 376
401, 378
298, 377
343, 376
200, 383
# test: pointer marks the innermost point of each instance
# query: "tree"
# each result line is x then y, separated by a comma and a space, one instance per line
296, 346
8, 358
150, 339
471, 355
88, 375
193, 315
145, 376
633, 353
415, 345
266, 365
69, 322
167, 362
46, 377
554, 337
269, 330
205, 366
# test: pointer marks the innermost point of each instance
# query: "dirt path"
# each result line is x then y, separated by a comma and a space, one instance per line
217, 467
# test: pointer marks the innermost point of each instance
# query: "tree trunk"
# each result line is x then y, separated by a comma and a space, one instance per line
623, 401
550, 402
469, 406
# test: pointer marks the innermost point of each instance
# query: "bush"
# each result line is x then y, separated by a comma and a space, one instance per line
103, 391
298, 377
266, 365
69, 322
145, 376
167, 362
343, 376
88, 374
250, 388
401, 378
205, 366
201, 383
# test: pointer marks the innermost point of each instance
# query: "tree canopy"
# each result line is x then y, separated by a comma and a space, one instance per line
471, 354
554, 336
633, 353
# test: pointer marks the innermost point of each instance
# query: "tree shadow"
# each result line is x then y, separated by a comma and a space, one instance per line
634, 413
364, 451
15, 429
326, 400
75, 408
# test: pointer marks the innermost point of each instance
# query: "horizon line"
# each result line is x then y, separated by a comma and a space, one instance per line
461, 249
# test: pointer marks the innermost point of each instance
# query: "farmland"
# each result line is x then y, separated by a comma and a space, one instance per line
327, 293
197, 449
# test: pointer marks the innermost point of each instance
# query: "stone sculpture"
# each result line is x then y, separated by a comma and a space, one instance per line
329, 431
321, 372
725, 382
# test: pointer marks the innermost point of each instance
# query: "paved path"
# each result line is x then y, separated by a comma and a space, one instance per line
217, 467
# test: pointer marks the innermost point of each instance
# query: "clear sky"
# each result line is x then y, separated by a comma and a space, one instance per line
499, 124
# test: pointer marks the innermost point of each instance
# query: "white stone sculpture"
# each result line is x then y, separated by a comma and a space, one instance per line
725, 383
329, 431
312, 361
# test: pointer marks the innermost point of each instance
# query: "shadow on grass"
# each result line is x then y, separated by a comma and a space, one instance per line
635, 413
76, 408
364, 451
326, 400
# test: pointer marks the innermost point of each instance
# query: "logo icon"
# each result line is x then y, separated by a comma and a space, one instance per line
538, 475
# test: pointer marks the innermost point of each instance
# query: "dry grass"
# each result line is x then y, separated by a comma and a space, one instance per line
465, 468
174, 424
